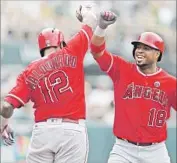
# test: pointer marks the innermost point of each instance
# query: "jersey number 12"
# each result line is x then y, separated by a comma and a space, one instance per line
54, 85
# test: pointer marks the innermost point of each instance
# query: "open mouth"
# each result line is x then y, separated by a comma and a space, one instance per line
139, 58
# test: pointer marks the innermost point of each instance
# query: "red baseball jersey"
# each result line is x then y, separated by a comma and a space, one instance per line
142, 102
55, 83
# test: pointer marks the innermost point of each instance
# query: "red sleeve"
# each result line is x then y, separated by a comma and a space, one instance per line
174, 101
112, 65
173, 95
80, 42
20, 94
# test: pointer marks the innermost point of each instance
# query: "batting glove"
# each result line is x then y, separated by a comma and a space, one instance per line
86, 15
106, 18
7, 136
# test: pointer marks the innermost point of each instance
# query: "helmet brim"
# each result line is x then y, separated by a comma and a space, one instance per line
145, 43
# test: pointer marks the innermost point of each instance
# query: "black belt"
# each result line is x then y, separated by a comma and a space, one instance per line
136, 143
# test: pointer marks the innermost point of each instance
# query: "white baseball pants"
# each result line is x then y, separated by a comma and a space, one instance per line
55, 141
125, 152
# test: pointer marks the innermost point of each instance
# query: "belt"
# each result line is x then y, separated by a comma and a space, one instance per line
137, 143
70, 120
67, 120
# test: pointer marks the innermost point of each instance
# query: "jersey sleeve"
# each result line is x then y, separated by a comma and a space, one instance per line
112, 65
20, 93
173, 96
174, 101
80, 42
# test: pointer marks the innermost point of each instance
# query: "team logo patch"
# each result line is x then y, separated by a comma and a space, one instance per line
157, 84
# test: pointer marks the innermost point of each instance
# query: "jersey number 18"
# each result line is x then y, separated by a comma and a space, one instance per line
157, 117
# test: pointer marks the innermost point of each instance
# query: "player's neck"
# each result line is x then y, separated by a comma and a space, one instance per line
149, 69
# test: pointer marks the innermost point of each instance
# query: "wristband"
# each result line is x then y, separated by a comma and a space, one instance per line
97, 49
99, 32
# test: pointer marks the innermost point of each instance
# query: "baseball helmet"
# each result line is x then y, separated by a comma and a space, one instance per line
152, 40
50, 37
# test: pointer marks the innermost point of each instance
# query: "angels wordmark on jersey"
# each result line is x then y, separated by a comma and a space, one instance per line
134, 91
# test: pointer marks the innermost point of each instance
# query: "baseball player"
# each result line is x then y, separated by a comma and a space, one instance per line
55, 84
144, 94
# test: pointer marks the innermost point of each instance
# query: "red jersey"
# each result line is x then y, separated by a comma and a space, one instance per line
55, 83
142, 102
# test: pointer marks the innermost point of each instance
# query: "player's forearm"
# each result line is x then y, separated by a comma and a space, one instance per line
6, 110
98, 42
97, 46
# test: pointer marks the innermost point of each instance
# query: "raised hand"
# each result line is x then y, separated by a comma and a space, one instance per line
106, 18
86, 15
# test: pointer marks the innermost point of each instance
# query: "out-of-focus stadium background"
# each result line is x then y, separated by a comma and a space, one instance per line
22, 20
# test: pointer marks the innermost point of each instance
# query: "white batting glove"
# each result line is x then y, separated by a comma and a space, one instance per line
106, 18
86, 15
7, 136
